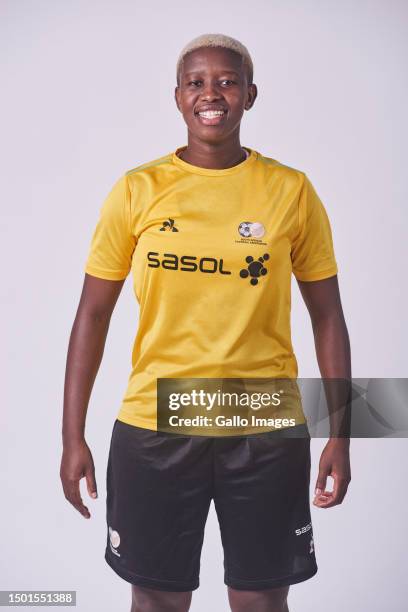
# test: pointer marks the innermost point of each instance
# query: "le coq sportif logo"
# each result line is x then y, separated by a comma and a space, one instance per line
254, 270
169, 226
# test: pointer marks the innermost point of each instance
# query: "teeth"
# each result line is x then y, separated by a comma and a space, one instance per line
211, 114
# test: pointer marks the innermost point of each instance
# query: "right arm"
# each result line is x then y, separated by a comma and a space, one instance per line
85, 350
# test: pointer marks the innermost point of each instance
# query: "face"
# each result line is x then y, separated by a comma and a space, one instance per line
213, 93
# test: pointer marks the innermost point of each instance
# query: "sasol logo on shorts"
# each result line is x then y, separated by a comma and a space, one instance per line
187, 263
303, 529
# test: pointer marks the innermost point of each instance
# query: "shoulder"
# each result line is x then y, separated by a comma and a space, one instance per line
149, 167
290, 174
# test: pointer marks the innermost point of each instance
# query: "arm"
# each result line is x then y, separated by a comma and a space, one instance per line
85, 350
322, 299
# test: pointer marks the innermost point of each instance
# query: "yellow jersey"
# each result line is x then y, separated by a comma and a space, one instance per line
211, 253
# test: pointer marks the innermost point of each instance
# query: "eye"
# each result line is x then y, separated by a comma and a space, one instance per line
194, 82
227, 81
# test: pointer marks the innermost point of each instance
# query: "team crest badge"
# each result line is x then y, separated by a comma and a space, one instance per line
248, 229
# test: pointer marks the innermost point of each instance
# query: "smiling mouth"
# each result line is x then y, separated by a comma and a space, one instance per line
211, 117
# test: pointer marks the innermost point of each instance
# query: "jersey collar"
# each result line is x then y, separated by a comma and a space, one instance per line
213, 171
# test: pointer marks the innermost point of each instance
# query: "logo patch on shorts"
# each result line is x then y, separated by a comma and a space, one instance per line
114, 541
303, 529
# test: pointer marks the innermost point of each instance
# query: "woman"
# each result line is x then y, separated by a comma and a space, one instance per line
212, 232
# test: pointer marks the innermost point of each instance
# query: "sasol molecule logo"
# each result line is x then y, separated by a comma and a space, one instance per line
255, 268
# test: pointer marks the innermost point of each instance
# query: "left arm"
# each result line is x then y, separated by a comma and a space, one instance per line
322, 299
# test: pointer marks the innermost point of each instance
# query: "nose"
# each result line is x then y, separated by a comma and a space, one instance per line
210, 91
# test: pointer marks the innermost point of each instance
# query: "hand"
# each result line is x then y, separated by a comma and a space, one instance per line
334, 462
76, 463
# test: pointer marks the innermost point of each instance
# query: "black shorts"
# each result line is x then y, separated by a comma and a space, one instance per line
159, 490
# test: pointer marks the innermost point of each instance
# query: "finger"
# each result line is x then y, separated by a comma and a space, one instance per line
321, 481
322, 498
338, 492
74, 497
91, 483
322, 503
339, 489
343, 492
324, 494
335, 498
328, 503
77, 502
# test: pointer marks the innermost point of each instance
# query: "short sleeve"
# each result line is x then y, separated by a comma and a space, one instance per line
312, 249
113, 243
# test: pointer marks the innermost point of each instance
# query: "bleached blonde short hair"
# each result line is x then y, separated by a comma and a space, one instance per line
217, 40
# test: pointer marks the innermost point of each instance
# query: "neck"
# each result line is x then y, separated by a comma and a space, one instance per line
215, 156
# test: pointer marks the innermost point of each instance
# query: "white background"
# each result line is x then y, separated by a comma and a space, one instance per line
88, 93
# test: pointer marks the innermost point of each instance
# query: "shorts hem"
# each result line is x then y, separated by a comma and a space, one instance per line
151, 583
269, 583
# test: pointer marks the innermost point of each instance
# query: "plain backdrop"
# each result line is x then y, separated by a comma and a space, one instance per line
88, 93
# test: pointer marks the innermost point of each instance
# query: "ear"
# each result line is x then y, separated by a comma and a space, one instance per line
252, 94
176, 96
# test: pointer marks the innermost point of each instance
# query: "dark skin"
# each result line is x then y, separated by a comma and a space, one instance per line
85, 351
208, 76
214, 76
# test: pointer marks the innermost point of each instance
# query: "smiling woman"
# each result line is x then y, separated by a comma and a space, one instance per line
214, 88
212, 233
